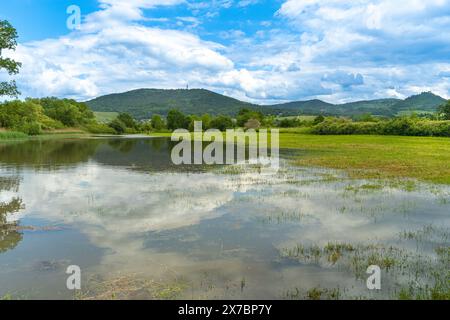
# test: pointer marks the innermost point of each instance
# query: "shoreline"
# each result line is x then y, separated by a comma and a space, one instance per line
361, 156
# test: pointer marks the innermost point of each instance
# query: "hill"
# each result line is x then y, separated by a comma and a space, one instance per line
143, 103
426, 101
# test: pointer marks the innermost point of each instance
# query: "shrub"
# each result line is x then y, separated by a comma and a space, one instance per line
398, 126
343, 126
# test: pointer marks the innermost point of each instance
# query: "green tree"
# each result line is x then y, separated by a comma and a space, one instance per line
157, 122
127, 120
318, 119
222, 123
177, 120
21, 116
193, 118
289, 123
145, 126
8, 41
118, 126
206, 121
245, 115
444, 111
69, 112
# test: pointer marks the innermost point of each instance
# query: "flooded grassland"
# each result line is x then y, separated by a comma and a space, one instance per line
141, 228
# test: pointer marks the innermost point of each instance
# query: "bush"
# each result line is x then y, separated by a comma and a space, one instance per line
398, 126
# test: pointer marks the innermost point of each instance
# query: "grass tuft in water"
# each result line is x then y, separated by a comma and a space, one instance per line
131, 286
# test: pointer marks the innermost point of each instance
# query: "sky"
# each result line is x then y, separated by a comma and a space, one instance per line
259, 51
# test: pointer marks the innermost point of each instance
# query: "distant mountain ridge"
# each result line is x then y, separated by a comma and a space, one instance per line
142, 103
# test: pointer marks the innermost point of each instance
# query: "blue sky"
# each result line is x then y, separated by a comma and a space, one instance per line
256, 50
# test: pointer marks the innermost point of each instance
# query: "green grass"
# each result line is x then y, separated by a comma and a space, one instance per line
422, 158
362, 156
12, 135
105, 117
372, 156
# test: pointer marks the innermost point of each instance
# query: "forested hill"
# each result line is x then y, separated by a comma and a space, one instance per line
143, 103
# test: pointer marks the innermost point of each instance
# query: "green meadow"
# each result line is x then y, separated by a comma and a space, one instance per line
105, 117
422, 158
372, 156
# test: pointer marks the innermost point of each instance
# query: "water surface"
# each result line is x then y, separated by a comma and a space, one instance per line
141, 228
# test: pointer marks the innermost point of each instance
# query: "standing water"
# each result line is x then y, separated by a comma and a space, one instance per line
140, 227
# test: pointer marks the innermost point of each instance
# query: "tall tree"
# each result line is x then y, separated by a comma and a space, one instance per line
8, 41
444, 111
177, 120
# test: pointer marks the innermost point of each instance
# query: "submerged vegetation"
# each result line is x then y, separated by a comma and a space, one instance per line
414, 275
130, 286
298, 234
